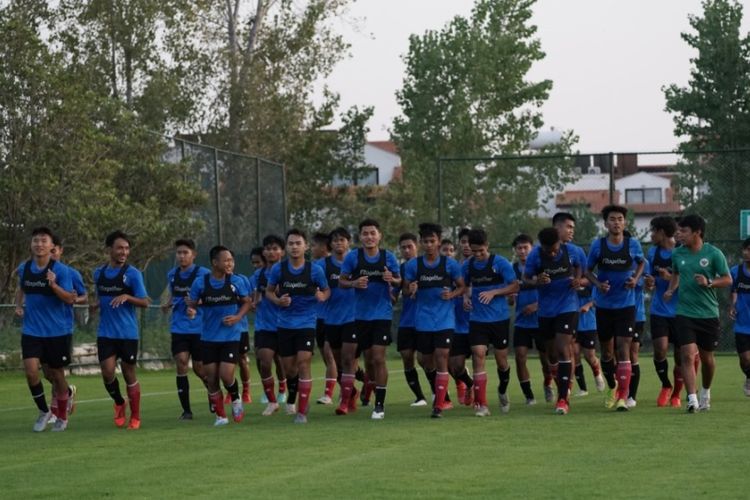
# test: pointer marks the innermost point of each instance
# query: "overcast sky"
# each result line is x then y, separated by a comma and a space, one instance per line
608, 60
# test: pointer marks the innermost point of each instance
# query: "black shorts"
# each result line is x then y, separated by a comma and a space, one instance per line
373, 332
586, 339
615, 323
125, 349
221, 352
187, 342
244, 343
742, 342
427, 342
662, 326
335, 334
406, 338
320, 333
264, 339
51, 351
704, 332
565, 323
527, 337
460, 345
292, 341
638, 332
496, 333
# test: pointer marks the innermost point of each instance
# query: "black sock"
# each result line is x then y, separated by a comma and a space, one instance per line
113, 388
465, 378
662, 371
233, 389
608, 370
183, 392
504, 377
379, 396
580, 377
746, 371
291, 385
563, 379
359, 375
526, 388
412, 378
431, 378
635, 379
37, 392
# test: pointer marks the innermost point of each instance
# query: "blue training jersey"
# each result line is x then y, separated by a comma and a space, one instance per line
527, 295
558, 296
656, 261
495, 272
219, 299
179, 283
300, 284
266, 313
615, 264
119, 322
245, 322
79, 287
741, 286
45, 315
408, 308
640, 304
433, 313
339, 308
586, 320
374, 302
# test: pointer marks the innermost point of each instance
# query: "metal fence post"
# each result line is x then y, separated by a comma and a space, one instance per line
611, 178
257, 201
440, 191
219, 232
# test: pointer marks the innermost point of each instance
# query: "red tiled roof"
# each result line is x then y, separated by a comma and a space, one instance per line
385, 146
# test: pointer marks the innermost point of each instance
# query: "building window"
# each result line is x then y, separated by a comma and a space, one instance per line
641, 196
363, 176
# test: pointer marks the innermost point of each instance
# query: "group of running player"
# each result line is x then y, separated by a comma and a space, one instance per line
453, 310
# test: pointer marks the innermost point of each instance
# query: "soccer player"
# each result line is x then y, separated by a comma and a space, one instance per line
447, 248
434, 280
186, 330
46, 331
663, 328
243, 362
297, 286
619, 263
119, 290
407, 332
739, 311
460, 348
585, 341
491, 279
320, 250
223, 297
635, 346
526, 324
371, 272
698, 268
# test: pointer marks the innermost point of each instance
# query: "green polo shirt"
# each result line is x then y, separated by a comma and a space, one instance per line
697, 301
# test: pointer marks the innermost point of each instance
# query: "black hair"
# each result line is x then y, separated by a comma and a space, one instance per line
259, 252
477, 237
464, 231
614, 208
369, 222
562, 217
185, 242
664, 223
695, 222
446, 241
322, 238
296, 232
273, 239
548, 237
43, 231
215, 251
407, 236
57, 241
430, 229
522, 238
340, 232
746, 243
116, 235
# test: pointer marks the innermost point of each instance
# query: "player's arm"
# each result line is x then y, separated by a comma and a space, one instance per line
633, 280
674, 284
233, 319
456, 292
283, 301
19, 302
69, 297
733, 306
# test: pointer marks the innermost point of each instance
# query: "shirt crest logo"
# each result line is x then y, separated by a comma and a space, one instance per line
704, 262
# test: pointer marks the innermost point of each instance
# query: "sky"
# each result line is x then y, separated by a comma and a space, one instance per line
608, 60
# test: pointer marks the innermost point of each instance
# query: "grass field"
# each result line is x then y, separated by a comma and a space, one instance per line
592, 452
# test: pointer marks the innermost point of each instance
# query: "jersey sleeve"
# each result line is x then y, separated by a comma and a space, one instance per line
410, 270
465, 271
78, 285
240, 283
636, 250
735, 275
64, 278
454, 269
505, 268
593, 257
319, 277
275, 274
532, 263
170, 278
139, 289
391, 263
350, 263
720, 263
196, 289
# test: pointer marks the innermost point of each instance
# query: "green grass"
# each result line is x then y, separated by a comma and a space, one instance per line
647, 453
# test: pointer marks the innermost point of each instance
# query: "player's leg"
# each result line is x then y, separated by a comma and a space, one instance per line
522, 342
623, 346
108, 363
303, 358
459, 351
211, 360
580, 376
564, 371
377, 356
331, 374
57, 355
181, 355
349, 355
635, 375
245, 367
406, 344
441, 350
129, 350
264, 354
660, 344
36, 387
588, 349
281, 377
478, 339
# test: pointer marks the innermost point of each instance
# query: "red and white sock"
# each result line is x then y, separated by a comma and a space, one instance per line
330, 386
347, 388
596, 368
217, 398
304, 388
134, 398
268, 389
61, 411
679, 382
624, 370
282, 386
480, 388
441, 388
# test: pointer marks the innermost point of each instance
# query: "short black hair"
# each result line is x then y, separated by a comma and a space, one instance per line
296, 232
548, 237
746, 243
368, 222
215, 251
407, 236
446, 241
185, 242
562, 217
477, 237
664, 223
273, 239
43, 230
340, 232
522, 238
57, 241
464, 231
322, 238
614, 208
259, 252
695, 222
116, 235
430, 229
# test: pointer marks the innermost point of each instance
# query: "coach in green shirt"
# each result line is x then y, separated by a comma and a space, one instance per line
698, 268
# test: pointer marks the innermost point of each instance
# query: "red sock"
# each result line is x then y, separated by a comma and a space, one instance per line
134, 398
61, 411
245, 387
679, 382
347, 388
282, 386
624, 370
304, 387
330, 386
268, 389
441, 388
480, 388
218, 400
369, 387
553, 373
